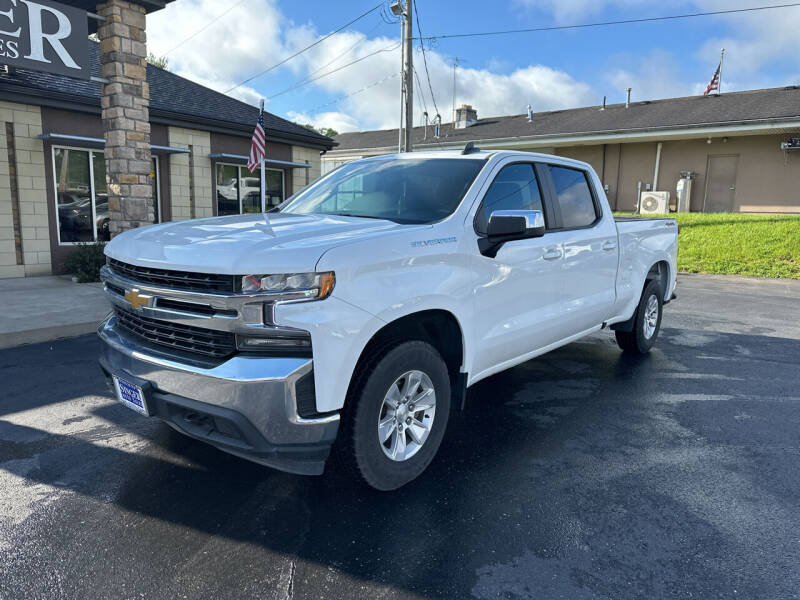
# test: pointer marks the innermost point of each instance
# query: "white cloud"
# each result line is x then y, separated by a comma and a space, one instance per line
224, 53
339, 121
761, 42
227, 52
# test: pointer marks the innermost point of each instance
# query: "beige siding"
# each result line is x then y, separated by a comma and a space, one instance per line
179, 174
299, 176
768, 179
31, 182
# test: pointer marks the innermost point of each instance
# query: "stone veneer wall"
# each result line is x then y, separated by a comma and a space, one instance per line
125, 107
310, 155
190, 174
31, 190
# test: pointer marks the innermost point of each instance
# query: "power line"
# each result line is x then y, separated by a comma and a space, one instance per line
308, 77
202, 29
425, 60
363, 89
312, 79
421, 95
319, 41
605, 23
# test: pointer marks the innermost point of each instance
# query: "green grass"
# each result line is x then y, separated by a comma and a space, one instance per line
737, 244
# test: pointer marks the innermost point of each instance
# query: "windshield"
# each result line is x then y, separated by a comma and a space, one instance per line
404, 190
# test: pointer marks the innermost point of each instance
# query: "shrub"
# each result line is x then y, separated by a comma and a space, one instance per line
85, 261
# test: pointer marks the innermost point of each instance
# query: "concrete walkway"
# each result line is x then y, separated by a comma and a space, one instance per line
39, 309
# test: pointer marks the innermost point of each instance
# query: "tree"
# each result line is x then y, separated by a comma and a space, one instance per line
158, 61
328, 131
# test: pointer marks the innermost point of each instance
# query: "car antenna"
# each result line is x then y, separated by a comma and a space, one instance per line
470, 148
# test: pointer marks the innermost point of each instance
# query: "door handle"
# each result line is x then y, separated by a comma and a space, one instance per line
609, 245
552, 254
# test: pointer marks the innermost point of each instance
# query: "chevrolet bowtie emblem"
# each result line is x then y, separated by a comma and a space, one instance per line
137, 299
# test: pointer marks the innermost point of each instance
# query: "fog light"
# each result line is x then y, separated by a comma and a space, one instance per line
275, 340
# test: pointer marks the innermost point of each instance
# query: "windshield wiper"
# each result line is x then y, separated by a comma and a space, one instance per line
340, 214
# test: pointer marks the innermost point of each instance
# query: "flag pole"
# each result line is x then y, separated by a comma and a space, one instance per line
721, 56
263, 175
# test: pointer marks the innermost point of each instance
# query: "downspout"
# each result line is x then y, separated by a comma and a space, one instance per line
658, 165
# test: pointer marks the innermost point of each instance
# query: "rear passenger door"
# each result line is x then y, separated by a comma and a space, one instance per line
589, 242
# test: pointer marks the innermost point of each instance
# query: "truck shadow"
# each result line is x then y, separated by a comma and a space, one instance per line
537, 447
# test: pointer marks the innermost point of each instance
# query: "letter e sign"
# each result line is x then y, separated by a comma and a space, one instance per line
44, 36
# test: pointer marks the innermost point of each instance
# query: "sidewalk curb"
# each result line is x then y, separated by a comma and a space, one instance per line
13, 339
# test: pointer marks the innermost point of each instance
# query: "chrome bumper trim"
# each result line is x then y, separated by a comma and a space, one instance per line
262, 389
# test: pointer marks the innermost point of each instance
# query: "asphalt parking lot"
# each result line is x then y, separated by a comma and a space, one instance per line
581, 474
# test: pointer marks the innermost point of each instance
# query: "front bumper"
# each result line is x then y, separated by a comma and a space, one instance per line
246, 405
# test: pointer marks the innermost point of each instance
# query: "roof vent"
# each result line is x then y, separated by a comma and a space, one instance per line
530, 113
604, 103
628, 101
466, 116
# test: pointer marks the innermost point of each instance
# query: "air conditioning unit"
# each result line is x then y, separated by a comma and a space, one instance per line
654, 203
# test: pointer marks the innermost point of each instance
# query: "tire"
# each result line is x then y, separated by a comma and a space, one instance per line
646, 324
377, 386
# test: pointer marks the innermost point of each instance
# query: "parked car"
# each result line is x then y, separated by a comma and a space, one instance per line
355, 316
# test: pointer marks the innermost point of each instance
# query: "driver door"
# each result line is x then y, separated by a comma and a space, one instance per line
519, 293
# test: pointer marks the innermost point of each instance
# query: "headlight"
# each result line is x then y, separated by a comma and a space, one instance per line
295, 286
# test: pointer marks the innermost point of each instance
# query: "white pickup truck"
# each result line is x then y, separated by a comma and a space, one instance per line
355, 315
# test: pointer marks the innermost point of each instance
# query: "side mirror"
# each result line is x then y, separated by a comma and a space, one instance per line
508, 225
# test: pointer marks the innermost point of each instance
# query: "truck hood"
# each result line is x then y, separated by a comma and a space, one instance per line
243, 244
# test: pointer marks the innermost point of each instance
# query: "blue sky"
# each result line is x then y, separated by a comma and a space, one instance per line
498, 75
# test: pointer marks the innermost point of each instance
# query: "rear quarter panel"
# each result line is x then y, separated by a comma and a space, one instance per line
643, 243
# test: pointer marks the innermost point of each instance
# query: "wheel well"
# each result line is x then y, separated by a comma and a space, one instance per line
437, 327
659, 272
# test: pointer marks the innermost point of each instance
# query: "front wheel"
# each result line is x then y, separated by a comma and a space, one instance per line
647, 322
396, 416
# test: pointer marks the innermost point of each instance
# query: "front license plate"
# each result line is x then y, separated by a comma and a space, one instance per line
131, 395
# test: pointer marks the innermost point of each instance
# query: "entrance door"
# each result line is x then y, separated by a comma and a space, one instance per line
720, 183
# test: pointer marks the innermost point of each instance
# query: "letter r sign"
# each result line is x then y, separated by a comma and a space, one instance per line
42, 35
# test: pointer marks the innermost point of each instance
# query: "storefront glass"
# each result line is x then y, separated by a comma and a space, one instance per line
74, 196
239, 191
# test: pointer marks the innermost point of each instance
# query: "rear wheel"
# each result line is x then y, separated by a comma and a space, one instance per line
646, 323
396, 416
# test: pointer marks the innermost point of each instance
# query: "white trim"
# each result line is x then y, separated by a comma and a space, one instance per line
700, 130
93, 192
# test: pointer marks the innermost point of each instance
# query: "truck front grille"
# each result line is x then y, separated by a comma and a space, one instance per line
216, 344
202, 282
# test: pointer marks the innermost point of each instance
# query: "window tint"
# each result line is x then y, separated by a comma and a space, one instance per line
573, 196
514, 188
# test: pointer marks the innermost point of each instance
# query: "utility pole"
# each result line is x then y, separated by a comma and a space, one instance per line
455, 64
402, 84
409, 75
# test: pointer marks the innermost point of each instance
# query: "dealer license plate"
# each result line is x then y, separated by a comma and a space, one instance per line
131, 395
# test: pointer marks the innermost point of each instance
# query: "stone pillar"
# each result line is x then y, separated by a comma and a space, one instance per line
126, 119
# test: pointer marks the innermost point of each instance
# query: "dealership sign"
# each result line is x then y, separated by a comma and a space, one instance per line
44, 36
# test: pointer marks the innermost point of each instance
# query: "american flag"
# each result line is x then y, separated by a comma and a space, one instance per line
714, 83
258, 146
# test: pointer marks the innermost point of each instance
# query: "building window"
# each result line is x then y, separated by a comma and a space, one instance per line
239, 190
81, 195
155, 179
